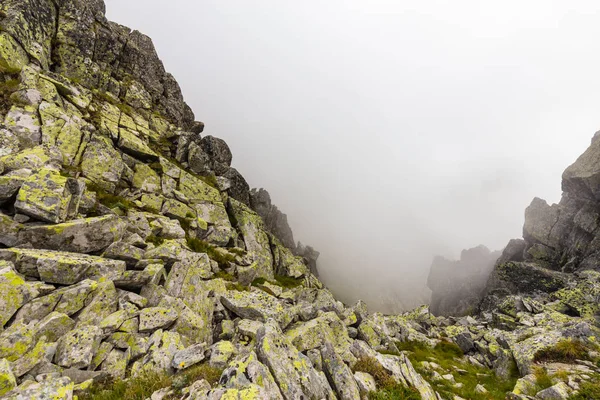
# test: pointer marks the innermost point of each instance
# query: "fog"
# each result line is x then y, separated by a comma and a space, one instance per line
388, 131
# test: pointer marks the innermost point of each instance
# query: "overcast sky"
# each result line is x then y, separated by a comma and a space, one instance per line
388, 131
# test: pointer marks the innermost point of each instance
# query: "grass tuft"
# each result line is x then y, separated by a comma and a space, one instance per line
142, 387
566, 350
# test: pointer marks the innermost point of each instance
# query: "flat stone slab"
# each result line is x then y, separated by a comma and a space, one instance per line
86, 235
61, 267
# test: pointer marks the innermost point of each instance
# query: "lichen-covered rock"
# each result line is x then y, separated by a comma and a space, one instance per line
560, 391
12, 56
7, 380
365, 382
30, 159
14, 292
55, 389
25, 124
67, 300
103, 302
46, 195
102, 164
53, 326
77, 348
339, 373
313, 334
257, 306
189, 356
153, 318
125, 252
62, 267
221, 353
87, 235
242, 373
257, 242
292, 371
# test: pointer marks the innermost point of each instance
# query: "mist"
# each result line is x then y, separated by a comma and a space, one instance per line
388, 131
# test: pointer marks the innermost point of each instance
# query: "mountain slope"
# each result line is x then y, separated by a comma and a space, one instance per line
135, 261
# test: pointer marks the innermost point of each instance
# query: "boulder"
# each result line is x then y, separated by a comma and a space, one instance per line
62, 267
102, 164
55, 389
257, 306
15, 292
47, 196
153, 318
12, 56
256, 239
339, 374
189, 356
248, 370
77, 347
7, 379
86, 235
292, 371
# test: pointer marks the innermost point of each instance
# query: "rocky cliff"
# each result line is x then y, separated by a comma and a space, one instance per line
135, 262
457, 286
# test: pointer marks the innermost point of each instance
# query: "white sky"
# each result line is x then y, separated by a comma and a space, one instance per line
388, 131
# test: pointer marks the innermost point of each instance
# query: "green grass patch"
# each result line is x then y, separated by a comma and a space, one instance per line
542, 379
395, 392
287, 282
142, 387
220, 255
155, 240
449, 356
566, 350
387, 388
226, 276
371, 366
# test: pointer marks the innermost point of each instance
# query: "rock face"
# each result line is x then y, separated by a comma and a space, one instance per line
129, 244
457, 285
557, 238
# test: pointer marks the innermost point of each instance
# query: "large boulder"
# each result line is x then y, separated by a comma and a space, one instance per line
62, 267
216, 149
256, 239
48, 196
86, 235
258, 305
293, 372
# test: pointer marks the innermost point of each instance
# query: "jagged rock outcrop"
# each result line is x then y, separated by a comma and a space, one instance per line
558, 239
457, 285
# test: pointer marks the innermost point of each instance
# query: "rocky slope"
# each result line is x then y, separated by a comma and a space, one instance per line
136, 262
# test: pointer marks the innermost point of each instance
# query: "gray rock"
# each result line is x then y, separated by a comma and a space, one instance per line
216, 149
365, 382
257, 306
61, 388
153, 318
293, 373
560, 391
62, 267
249, 371
76, 348
47, 196
339, 374
87, 235
189, 356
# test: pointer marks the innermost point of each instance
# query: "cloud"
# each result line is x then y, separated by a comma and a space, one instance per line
388, 131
